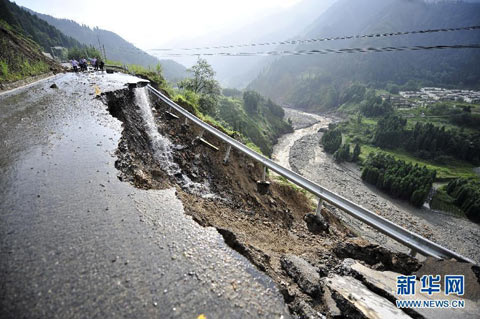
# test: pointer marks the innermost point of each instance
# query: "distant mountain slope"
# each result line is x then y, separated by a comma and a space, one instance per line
316, 82
37, 29
117, 48
279, 25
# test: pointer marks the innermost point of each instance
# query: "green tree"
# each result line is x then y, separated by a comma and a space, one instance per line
342, 154
332, 140
204, 84
399, 179
250, 100
356, 153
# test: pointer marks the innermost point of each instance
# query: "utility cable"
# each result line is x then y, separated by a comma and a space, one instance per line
363, 36
325, 51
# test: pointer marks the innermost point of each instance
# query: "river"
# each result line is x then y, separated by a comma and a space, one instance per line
302, 152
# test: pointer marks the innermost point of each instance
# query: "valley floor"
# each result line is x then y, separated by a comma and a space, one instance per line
306, 156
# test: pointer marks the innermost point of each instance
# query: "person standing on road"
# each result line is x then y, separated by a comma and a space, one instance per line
74, 65
83, 64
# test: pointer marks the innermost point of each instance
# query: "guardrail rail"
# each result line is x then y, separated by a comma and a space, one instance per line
415, 242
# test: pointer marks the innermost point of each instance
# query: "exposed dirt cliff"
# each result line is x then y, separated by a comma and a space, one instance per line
307, 256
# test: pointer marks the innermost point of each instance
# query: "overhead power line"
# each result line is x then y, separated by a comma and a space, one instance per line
300, 41
325, 51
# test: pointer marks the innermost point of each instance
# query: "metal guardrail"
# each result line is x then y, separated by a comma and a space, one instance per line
415, 242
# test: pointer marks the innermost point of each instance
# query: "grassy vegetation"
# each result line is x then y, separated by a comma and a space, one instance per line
285, 182
19, 57
153, 75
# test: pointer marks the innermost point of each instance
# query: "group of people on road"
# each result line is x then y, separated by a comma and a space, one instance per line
82, 65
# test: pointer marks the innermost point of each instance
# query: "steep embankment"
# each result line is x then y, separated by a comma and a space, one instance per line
21, 57
304, 256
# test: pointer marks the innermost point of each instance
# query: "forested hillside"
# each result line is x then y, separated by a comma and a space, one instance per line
317, 82
31, 26
21, 57
117, 48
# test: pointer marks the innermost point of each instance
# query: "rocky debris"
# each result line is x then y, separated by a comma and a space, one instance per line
330, 304
316, 223
303, 310
299, 119
378, 256
384, 283
304, 274
54, 86
357, 301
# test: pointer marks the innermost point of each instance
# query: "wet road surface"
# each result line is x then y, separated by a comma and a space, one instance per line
75, 242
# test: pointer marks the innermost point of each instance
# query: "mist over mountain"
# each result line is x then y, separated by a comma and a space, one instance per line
317, 81
276, 26
117, 48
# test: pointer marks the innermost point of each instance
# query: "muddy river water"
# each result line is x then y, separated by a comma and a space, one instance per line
302, 152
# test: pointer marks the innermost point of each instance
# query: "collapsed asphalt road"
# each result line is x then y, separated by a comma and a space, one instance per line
90, 225
75, 242
308, 257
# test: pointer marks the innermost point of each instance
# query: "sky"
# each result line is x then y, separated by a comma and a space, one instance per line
163, 22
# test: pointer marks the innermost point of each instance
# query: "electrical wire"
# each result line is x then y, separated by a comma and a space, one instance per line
290, 42
324, 51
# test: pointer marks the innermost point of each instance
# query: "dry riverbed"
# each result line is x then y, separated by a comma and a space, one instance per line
305, 155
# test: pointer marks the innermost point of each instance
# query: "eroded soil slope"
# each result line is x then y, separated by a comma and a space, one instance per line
275, 231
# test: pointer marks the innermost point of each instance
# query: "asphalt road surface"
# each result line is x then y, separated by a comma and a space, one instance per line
75, 242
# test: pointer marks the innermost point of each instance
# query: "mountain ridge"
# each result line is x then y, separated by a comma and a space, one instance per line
309, 81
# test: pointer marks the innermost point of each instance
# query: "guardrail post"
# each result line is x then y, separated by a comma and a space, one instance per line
263, 185
227, 154
200, 139
186, 121
319, 206
412, 253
